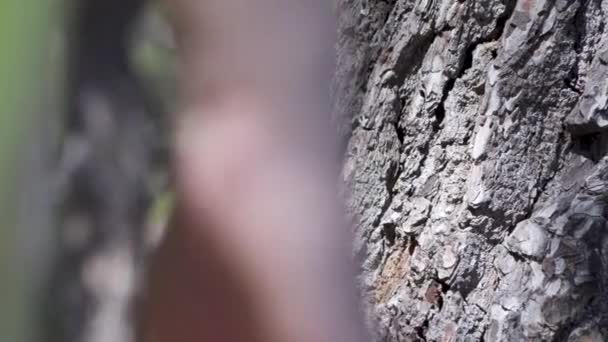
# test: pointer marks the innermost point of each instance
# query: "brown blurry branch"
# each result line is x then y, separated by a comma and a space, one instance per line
255, 163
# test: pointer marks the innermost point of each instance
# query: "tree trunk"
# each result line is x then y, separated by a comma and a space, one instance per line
111, 143
476, 166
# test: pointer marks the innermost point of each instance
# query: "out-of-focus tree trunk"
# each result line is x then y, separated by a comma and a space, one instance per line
477, 166
108, 150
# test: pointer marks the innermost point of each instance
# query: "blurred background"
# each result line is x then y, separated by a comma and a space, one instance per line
85, 88
86, 92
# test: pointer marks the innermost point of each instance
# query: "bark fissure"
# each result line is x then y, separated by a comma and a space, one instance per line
500, 134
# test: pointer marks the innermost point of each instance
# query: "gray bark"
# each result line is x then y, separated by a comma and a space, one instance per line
477, 166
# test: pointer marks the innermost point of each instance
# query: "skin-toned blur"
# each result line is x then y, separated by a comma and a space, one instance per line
256, 247
256, 250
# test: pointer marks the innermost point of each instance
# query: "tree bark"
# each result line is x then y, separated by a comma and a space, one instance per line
476, 166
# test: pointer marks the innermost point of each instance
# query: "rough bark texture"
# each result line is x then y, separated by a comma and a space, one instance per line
476, 165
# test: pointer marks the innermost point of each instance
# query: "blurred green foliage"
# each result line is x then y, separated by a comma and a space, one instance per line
153, 55
24, 25
162, 207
